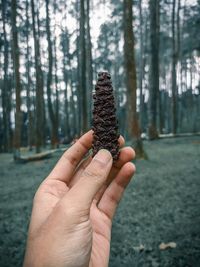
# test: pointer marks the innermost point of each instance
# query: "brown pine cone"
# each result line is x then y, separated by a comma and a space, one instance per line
105, 124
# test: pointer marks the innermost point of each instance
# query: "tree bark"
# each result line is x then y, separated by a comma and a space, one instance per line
39, 86
141, 67
65, 50
57, 94
56, 80
131, 84
18, 87
6, 142
174, 63
30, 131
45, 127
52, 114
82, 83
89, 69
154, 69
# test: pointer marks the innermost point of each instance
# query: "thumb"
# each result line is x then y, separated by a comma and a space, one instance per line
92, 179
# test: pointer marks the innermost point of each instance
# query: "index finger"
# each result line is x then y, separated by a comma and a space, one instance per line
67, 164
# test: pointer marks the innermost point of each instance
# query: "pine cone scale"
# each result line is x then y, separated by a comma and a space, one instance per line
105, 124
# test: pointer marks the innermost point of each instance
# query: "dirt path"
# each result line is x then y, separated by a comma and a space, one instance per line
162, 204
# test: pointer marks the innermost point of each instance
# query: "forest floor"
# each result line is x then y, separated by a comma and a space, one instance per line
162, 204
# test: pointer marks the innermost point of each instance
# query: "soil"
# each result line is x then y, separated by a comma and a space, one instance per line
161, 204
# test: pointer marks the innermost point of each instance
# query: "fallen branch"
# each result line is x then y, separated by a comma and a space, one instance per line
39, 156
35, 157
171, 135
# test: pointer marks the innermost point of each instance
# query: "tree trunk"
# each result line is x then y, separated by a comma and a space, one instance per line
39, 86
44, 132
89, 69
154, 69
57, 94
18, 88
82, 83
131, 84
65, 50
30, 130
56, 79
141, 67
6, 142
52, 115
77, 90
174, 63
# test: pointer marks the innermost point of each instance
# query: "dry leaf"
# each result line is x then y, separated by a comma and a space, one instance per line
139, 248
164, 246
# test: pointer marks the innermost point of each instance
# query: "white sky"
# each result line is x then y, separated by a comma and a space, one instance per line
100, 14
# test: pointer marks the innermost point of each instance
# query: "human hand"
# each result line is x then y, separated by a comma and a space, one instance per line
74, 207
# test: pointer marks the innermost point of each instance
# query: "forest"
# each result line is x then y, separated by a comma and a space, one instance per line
52, 50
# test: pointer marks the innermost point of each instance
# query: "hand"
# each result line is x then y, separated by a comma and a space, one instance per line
74, 206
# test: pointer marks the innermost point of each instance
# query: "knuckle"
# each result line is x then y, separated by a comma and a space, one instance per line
112, 198
69, 158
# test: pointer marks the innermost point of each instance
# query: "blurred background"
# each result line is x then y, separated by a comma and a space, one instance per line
50, 54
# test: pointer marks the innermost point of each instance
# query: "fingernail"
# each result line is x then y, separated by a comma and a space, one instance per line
103, 156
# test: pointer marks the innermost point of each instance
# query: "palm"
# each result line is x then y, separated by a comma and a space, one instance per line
51, 192
64, 183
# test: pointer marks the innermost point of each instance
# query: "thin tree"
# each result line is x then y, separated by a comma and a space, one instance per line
89, 69
52, 114
141, 66
17, 79
56, 76
174, 63
65, 51
29, 83
5, 88
154, 69
39, 85
82, 79
131, 83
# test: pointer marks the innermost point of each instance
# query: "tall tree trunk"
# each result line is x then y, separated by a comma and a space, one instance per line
82, 83
131, 84
39, 86
174, 63
5, 89
160, 118
180, 36
73, 110
65, 61
29, 83
77, 92
18, 87
141, 68
56, 78
154, 69
57, 93
52, 115
45, 126
89, 69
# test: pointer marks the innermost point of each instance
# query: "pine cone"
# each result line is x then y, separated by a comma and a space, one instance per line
105, 124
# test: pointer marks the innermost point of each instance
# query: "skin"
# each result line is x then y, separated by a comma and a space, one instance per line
74, 206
